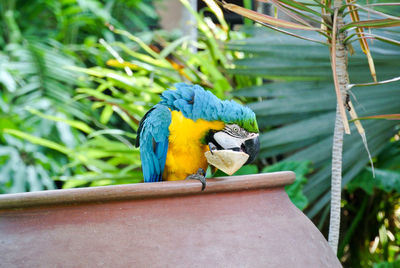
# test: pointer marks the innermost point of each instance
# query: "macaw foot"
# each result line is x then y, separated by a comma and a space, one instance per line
199, 175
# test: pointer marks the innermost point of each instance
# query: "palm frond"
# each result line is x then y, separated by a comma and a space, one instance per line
299, 104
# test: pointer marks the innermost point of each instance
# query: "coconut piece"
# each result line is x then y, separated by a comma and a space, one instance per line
226, 160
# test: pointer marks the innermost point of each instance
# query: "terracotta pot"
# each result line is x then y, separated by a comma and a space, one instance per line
242, 221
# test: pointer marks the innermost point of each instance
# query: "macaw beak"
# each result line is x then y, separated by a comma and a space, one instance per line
251, 147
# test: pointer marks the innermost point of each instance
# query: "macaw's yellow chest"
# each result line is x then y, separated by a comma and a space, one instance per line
186, 147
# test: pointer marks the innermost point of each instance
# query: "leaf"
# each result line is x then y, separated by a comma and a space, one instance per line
144, 58
173, 46
79, 180
73, 123
295, 190
376, 83
139, 42
247, 170
386, 180
390, 157
314, 127
7, 80
18, 183
291, 34
132, 122
112, 132
361, 131
99, 95
300, 6
288, 12
380, 23
33, 180
382, 116
389, 8
383, 39
218, 13
106, 114
258, 17
39, 141
116, 63
363, 41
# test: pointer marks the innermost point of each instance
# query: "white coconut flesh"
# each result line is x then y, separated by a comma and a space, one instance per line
226, 160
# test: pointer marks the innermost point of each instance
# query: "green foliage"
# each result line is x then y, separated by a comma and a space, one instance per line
37, 42
112, 97
33, 77
24, 168
73, 21
297, 106
128, 90
371, 228
386, 180
246, 170
295, 190
387, 264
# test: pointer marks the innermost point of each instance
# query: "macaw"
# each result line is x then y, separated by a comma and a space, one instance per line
174, 135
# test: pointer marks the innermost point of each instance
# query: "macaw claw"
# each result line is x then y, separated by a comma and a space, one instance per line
212, 147
199, 175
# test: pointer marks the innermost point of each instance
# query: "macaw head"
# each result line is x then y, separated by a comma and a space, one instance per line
236, 138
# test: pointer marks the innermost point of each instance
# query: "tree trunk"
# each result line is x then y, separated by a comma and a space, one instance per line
336, 183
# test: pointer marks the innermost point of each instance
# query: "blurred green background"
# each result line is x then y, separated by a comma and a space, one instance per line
76, 76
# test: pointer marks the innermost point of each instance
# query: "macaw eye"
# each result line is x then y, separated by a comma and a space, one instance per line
236, 129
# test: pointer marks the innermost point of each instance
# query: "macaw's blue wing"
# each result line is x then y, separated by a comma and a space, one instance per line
153, 141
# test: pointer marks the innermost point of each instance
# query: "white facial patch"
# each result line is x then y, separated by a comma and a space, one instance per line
226, 141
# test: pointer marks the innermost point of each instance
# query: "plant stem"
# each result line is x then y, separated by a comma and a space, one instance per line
336, 182
337, 148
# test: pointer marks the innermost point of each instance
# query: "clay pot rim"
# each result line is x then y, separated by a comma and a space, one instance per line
146, 190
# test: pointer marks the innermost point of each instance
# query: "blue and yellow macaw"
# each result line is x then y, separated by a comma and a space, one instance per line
174, 135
